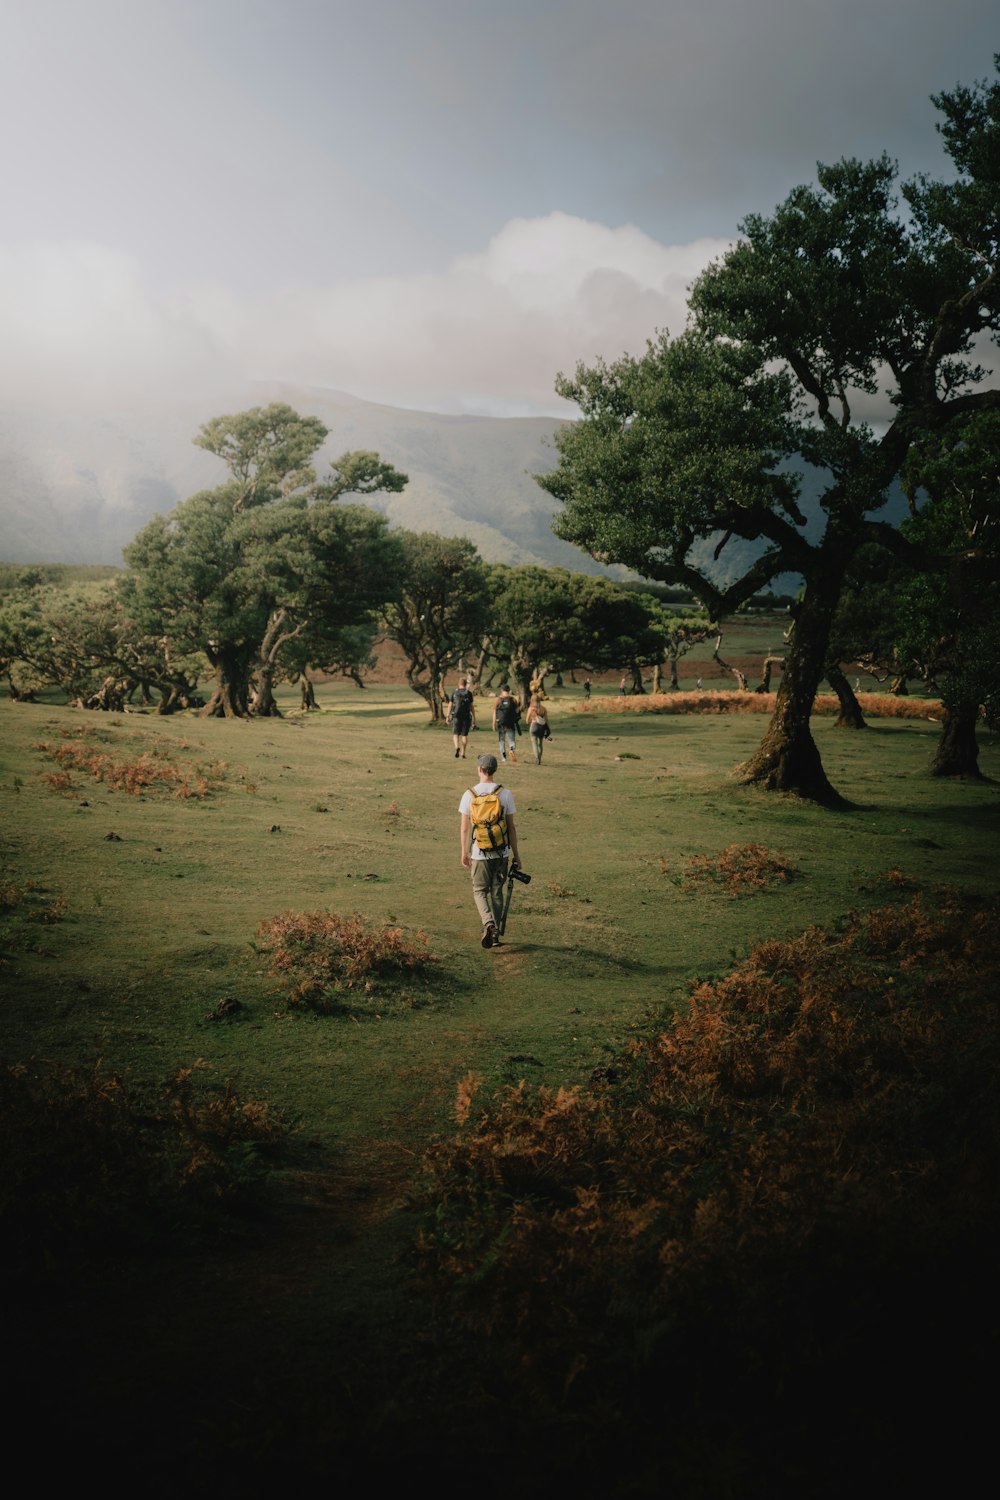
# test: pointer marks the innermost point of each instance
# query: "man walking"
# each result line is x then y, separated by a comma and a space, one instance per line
461, 716
506, 713
488, 841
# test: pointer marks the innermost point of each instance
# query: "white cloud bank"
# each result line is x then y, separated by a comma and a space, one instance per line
79, 326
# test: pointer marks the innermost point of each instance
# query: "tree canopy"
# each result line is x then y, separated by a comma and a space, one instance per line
269, 557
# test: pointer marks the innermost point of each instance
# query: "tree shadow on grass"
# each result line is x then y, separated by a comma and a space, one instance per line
595, 956
385, 1000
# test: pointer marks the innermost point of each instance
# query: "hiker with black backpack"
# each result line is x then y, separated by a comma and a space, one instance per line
506, 713
462, 716
488, 844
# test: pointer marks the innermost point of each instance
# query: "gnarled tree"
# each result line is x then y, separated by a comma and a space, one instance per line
836, 302
241, 571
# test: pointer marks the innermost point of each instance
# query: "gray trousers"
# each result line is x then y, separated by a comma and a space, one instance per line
487, 887
507, 741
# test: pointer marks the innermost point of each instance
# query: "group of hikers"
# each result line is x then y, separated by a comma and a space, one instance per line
488, 836
506, 721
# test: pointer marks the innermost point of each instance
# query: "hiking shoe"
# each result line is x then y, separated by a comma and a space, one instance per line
457, 753
489, 935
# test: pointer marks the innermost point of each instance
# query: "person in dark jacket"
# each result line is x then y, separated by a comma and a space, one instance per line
506, 712
462, 716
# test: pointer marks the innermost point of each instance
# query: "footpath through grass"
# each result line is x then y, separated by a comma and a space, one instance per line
140, 858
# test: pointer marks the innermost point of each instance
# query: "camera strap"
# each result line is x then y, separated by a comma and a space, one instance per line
506, 905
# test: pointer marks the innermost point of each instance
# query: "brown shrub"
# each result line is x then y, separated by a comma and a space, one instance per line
152, 771
317, 956
739, 868
833, 1102
91, 1167
884, 705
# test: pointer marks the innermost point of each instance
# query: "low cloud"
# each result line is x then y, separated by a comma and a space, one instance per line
82, 327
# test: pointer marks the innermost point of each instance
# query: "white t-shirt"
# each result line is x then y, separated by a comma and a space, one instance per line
506, 802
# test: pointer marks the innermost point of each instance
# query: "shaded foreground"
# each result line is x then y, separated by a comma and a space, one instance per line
754, 1257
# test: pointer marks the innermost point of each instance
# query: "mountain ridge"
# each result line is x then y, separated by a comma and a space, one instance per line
77, 488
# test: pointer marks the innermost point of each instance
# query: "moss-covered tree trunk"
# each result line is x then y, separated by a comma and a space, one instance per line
231, 696
787, 759
427, 685
850, 715
957, 751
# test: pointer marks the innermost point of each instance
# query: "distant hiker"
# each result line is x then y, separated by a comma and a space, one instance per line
538, 727
506, 712
488, 841
698, 684
621, 688
461, 716
586, 690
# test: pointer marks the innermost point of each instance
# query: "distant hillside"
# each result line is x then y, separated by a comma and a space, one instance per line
76, 490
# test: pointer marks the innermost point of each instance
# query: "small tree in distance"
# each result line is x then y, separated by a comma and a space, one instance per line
440, 613
241, 571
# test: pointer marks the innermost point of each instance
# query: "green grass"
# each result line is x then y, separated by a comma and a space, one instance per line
355, 809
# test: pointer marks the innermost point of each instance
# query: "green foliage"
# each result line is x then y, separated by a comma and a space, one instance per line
267, 450
548, 619
24, 576
534, 623
949, 620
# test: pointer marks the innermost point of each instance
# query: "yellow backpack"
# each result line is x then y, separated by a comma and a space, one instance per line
489, 821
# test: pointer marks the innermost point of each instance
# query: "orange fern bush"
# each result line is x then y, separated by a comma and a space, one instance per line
94, 1168
153, 770
722, 702
885, 705
833, 1103
739, 868
316, 956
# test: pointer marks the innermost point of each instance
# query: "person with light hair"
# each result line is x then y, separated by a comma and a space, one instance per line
538, 726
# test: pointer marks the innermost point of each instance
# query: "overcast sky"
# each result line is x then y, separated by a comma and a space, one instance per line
432, 203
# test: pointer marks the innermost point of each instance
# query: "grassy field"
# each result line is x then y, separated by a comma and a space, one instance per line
130, 930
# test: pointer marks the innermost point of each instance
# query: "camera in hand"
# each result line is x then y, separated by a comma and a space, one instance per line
516, 873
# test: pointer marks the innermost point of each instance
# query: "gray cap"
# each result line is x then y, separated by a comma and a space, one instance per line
487, 763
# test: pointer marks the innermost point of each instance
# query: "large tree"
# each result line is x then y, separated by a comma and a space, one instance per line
838, 303
242, 570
